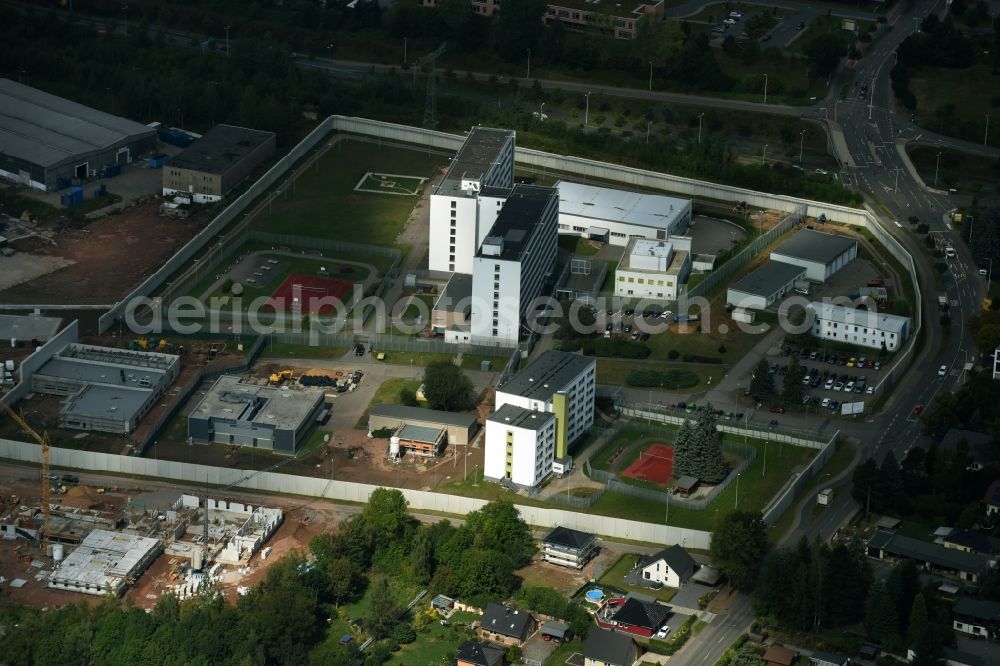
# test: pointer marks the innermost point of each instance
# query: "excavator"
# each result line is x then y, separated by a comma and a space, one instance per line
279, 377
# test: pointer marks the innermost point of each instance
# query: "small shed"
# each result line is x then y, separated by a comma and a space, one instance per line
777, 655
555, 631
685, 486
443, 605
707, 576
888, 523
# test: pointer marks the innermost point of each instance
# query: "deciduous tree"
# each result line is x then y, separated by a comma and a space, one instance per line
739, 545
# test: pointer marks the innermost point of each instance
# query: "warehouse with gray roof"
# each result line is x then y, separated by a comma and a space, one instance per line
48, 143
459, 428
764, 286
821, 254
216, 163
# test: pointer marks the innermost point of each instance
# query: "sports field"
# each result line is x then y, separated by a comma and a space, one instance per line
324, 204
654, 464
304, 294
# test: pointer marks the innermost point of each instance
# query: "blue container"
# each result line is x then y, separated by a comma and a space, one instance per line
66, 200
76, 195
157, 161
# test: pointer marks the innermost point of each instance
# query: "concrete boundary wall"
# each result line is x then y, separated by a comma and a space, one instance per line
38, 358
90, 461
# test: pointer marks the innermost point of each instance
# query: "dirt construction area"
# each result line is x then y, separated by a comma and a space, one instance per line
94, 264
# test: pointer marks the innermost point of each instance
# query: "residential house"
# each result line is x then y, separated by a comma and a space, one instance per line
934, 557
976, 617
472, 653
972, 541
506, 625
671, 567
641, 618
604, 647
776, 655
568, 548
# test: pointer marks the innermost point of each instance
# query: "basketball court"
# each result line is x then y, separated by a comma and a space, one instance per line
654, 464
298, 293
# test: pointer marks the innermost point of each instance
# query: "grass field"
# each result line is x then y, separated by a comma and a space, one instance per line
841, 458
388, 393
576, 245
956, 101
324, 203
615, 576
969, 172
435, 642
380, 183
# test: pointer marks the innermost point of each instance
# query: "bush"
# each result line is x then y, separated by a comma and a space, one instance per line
403, 634
383, 433
408, 397
722, 349
673, 354
672, 379
675, 642
697, 358
923, 228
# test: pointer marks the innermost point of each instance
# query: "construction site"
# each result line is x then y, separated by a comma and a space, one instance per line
105, 540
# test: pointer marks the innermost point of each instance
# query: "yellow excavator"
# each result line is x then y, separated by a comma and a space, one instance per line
278, 377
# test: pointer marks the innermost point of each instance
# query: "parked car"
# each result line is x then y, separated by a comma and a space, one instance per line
70, 478
662, 633
833, 404
851, 362
816, 381
942, 371
917, 409
848, 387
878, 365
870, 390
718, 28
736, 14
778, 409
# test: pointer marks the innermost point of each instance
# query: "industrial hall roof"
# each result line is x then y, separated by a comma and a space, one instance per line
46, 130
811, 245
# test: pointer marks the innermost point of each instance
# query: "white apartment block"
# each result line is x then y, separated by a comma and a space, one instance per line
465, 205
560, 383
515, 259
859, 327
520, 446
652, 269
615, 216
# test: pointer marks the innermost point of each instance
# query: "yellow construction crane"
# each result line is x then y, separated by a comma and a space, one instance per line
43, 441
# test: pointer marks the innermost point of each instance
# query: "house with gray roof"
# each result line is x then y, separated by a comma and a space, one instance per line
508, 626
671, 567
764, 286
568, 548
976, 617
460, 427
931, 557
604, 647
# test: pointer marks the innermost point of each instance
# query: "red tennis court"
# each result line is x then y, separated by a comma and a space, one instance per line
654, 464
299, 293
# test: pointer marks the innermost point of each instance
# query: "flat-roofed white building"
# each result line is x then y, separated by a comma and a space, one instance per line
560, 383
511, 267
465, 205
859, 327
520, 446
652, 269
615, 216
819, 253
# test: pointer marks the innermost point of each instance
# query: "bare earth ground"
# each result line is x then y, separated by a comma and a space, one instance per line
564, 579
107, 258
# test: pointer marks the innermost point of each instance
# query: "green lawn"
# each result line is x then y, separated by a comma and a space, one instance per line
735, 342
435, 642
564, 652
615, 576
473, 361
956, 102
324, 203
577, 245
955, 169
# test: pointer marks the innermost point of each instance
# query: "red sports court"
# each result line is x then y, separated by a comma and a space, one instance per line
298, 293
654, 464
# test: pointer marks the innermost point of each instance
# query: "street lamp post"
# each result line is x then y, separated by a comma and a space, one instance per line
649, 124
528, 77
737, 491
404, 51
227, 39
763, 155
700, 116
541, 112
937, 164
125, 20
586, 112
802, 144
986, 137
651, 76
765, 88
871, 100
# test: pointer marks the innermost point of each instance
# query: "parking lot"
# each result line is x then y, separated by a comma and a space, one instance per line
831, 378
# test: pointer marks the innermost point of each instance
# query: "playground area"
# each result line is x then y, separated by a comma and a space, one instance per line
390, 183
308, 294
655, 464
